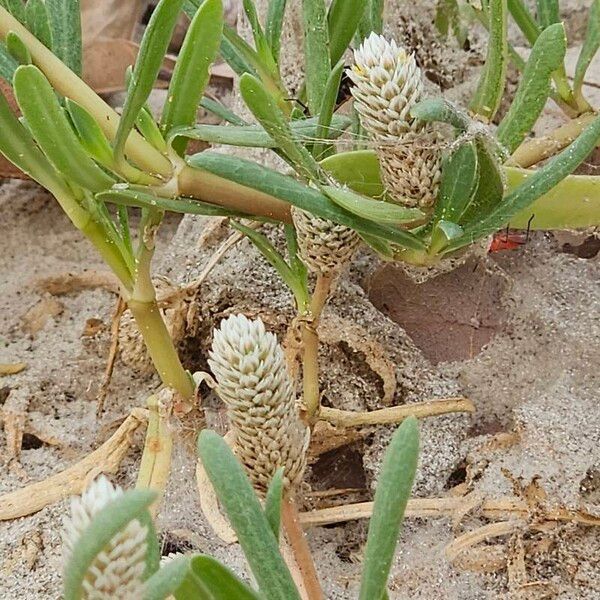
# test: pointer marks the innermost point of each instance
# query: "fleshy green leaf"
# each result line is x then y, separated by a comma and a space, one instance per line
219, 581
523, 18
254, 176
273, 502
8, 64
254, 136
392, 494
374, 210
459, 181
547, 56
263, 49
442, 111
269, 115
493, 77
372, 19
17, 49
141, 197
152, 51
91, 136
168, 579
536, 185
65, 22
443, 233
38, 21
274, 25
192, 70
590, 46
104, 526
221, 111
52, 131
316, 52
548, 12
287, 274
343, 19
247, 518
324, 130
17, 9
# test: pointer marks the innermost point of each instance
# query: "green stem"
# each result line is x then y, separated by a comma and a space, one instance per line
64, 81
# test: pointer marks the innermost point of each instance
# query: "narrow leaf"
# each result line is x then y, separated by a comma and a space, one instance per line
254, 136
523, 18
343, 19
316, 52
17, 48
459, 181
548, 12
392, 494
8, 64
263, 49
52, 131
219, 581
273, 502
104, 526
38, 21
326, 112
91, 136
493, 78
274, 25
591, 43
442, 111
167, 579
374, 210
254, 176
152, 51
443, 233
65, 22
192, 70
221, 111
17, 9
246, 517
546, 57
534, 186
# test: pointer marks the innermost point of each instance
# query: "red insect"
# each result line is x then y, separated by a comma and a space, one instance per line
505, 240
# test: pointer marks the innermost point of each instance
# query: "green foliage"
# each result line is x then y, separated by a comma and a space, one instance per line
590, 46
343, 19
274, 26
65, 23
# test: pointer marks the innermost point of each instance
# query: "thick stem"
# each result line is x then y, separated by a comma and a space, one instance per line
156, 459
310, 344
300, 549
64, 81
534, 151
200, 184
395, 414
160, 347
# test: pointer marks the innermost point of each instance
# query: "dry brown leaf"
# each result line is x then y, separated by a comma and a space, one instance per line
110, 19
35, 319
14, 415
334, 329
105, 62
481, 534
69, 283
12, 368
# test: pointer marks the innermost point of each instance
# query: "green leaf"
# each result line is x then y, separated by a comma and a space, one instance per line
91, 136
221, 111
192, 70
490, 186
263, 49
105, 525
535, 186
324, 128
247, 518
372, 20
269, 115
443, 233
254, 136
547, 56
17, 49
442, 111
374, 210
8, 64
359, 170
17, 9
316, 52
523, 18
274, 25
52, 131
591, 43
152, 51
219, 581
343, 19
273, 502
548, 12
65, 22
287, 274
460, 174
145, 197
392, 494
493, 78
38, 21
254, 176
168, 579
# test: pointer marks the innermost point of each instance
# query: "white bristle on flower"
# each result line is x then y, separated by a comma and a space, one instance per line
253, 382
387, 84
116, 572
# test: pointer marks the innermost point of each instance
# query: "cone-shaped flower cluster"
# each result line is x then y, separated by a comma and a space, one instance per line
387, 84
254, 383
325, 247
116, 573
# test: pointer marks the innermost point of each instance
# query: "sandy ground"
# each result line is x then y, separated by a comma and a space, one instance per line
516, 333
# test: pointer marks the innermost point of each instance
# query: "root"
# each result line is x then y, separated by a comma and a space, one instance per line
73, 480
